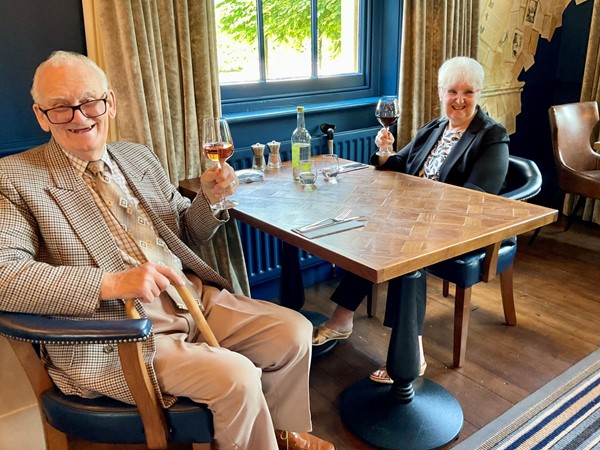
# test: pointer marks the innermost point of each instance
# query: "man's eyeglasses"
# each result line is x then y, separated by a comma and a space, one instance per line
64, 114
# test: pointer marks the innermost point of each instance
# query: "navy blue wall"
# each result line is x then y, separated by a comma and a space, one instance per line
555, 78
29, 31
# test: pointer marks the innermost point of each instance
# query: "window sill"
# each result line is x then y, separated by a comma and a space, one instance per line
289, 111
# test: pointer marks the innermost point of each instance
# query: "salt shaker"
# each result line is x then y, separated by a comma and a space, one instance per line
274, 157
259, 156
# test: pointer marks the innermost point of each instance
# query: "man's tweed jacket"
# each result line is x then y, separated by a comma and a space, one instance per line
55, 246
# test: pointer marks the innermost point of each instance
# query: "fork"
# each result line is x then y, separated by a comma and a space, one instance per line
341, 216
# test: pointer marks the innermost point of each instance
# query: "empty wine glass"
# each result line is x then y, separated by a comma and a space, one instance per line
217, 146
387, 113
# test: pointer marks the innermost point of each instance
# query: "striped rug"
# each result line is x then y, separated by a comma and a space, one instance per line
562, 415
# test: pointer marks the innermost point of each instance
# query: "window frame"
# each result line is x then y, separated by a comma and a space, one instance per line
377, 72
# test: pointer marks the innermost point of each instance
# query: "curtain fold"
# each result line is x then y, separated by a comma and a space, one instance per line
160, 56
590, 91
432, 31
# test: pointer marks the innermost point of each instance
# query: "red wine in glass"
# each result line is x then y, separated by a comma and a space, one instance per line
387, 121
387, 113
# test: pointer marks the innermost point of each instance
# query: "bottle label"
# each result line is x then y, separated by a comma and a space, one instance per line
296, 160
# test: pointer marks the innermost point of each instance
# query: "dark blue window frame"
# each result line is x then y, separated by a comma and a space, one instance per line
379, 53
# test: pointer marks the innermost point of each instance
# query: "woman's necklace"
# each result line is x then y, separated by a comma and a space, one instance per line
455, 129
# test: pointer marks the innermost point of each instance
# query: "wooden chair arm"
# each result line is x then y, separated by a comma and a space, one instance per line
25, 329
142, 390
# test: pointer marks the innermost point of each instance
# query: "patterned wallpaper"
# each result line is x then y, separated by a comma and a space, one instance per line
509, 34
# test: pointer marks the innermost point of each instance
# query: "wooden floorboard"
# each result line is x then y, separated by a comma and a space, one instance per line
556, 284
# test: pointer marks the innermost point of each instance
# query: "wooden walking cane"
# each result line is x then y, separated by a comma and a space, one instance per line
192, 307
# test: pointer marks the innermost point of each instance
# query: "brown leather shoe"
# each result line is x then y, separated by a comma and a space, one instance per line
289, 440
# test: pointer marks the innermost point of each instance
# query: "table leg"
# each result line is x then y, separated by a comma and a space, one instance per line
291, 287
413, 413
291, 292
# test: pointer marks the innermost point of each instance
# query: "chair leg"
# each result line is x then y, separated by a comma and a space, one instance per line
578, 207
445, 288
462, 312
535, 233
372, 298
55, 440
508, 298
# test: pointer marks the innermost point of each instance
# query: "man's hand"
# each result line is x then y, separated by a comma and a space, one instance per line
144, 282
217, 183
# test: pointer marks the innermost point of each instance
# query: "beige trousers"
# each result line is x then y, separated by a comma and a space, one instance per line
255, 383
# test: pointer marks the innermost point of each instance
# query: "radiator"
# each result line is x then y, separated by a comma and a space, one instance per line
263, 252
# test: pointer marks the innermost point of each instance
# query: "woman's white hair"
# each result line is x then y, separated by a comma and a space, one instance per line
61, 57
461, 69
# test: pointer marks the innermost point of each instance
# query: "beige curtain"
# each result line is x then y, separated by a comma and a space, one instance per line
432, 31
160, 56
590, 91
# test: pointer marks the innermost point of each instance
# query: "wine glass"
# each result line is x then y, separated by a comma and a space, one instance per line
330, 167
217, 146
387, 112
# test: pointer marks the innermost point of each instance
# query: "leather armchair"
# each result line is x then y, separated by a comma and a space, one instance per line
103, 419
523, 181
577, 164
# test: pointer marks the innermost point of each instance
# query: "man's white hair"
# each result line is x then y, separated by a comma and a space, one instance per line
61, 57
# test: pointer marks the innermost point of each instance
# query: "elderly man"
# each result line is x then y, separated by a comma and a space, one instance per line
66, 251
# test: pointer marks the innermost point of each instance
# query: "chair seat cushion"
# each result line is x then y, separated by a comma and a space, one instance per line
465, 270
106, 420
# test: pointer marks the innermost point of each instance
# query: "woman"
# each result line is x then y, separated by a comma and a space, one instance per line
465, 148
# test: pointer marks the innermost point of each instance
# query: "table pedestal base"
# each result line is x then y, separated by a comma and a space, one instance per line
431, 419
413, 413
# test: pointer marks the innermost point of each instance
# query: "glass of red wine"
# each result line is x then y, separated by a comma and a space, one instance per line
387, 112
217, 145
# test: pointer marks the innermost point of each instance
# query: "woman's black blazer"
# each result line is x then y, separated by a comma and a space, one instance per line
479, 160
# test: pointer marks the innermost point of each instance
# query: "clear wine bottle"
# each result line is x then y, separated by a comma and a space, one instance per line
300, 143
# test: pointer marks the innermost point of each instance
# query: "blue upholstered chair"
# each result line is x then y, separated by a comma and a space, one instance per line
523, 181
103, 419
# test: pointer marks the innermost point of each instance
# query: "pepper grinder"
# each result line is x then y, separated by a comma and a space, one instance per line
259, 156
274, 157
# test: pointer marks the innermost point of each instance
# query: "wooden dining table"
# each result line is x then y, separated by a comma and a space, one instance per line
409, 223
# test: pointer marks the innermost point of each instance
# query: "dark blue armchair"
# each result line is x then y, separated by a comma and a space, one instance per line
103, 420
523, 181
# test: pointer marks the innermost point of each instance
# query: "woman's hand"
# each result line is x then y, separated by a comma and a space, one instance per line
384, 139
217, 183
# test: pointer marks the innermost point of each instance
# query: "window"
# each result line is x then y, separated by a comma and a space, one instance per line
271, 51
284, 39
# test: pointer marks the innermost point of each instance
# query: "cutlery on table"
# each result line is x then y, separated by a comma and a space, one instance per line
341, 216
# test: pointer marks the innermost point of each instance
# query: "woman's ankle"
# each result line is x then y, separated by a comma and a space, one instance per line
338, 326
